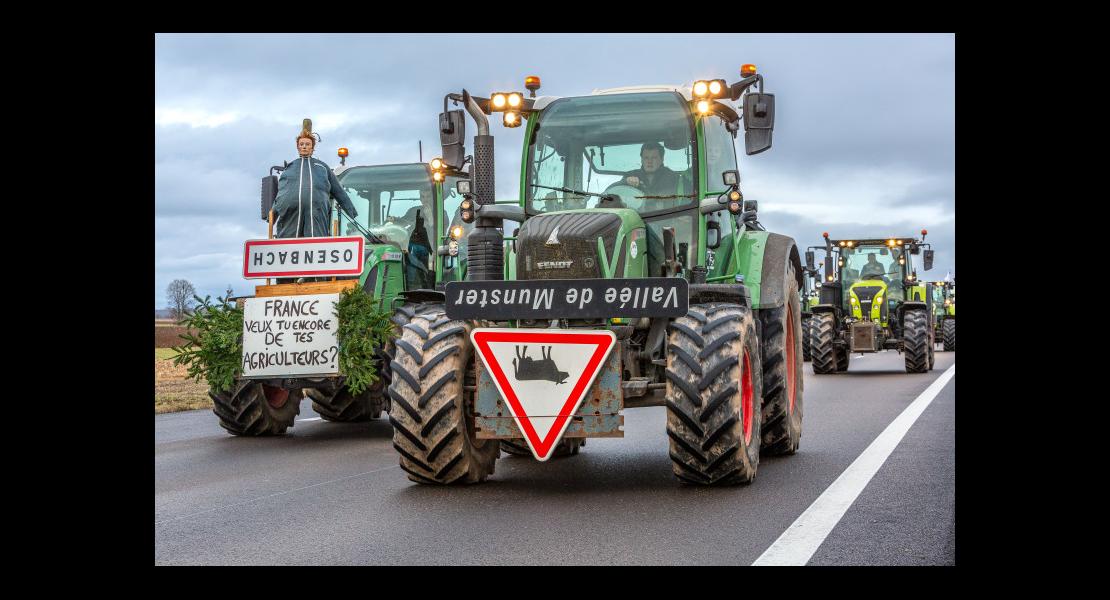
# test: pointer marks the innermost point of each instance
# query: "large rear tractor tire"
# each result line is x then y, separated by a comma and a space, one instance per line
781, 355
806, 356
915, 341
252, 409
823, 349
566, 447
430, 403
714, 392
948, 333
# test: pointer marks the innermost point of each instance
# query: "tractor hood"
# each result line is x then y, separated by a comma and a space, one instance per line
565, 245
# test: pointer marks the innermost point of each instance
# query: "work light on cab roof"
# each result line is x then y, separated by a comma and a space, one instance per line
502, 101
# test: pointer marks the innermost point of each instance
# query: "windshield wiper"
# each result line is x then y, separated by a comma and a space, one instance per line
671, 197
570, 191
370, 236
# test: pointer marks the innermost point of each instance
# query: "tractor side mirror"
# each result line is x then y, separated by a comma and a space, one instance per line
452, 137
810, 260
269, 193
928, 260
712, 234
759, 122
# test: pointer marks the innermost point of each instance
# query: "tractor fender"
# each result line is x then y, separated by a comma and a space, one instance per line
823, 308
778, 251
736, 293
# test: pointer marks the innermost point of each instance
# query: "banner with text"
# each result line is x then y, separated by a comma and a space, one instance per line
288, 336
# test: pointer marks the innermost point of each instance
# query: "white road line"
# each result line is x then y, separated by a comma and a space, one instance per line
797, 544
311, 419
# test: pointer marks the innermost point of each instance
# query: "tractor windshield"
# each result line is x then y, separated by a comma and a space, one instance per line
639, 147
873, 263
388, 198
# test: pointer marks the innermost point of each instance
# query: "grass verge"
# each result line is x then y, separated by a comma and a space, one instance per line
173, 391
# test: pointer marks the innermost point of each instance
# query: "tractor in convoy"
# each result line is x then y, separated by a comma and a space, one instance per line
403, 212
634, 236
809, 300
944, 311
871, 300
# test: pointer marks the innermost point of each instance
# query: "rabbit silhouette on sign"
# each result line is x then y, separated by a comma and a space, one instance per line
531, 369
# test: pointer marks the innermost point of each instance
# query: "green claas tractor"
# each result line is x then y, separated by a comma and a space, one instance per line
809, 300
944, 311
403, 212
872, 301
632, 229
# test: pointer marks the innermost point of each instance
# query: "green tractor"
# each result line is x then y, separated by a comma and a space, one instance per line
632, 225
944, 311
402, 209
872, 301
809, 300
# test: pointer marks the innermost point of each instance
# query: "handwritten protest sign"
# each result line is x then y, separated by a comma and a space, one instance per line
287, 336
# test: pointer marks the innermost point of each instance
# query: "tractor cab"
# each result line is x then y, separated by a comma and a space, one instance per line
403, 206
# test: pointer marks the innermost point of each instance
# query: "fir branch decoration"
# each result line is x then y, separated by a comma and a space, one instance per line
215, 352
363, 328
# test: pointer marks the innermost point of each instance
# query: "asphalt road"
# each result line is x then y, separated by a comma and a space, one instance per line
330, 493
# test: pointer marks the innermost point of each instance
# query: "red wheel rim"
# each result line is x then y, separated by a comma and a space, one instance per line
275, 396
746, 397
790, 375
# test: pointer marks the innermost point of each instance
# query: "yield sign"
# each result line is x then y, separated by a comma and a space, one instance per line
543, 376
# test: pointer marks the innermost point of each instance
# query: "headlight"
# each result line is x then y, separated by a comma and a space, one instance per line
853, 299
878, 299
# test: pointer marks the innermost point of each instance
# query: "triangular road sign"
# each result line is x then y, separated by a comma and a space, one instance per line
543, 376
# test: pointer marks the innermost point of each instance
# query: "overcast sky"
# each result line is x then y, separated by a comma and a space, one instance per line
864, 141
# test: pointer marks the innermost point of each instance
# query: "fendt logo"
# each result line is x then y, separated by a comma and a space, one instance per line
553, 239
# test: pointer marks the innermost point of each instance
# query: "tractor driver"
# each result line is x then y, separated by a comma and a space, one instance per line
652, 176
872, 270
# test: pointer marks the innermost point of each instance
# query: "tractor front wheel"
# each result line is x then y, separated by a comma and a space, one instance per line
432, 371
343, 406
714, 393
824, 352
843, 359
915, 341
806, 356
253, 409
948, 333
